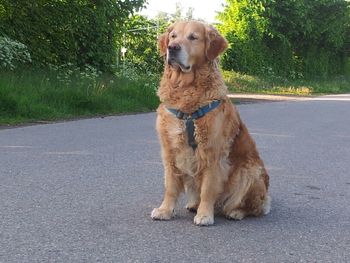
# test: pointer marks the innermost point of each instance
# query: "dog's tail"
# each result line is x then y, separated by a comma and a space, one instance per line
267, 205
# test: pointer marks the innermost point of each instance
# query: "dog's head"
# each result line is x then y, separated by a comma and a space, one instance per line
190, 44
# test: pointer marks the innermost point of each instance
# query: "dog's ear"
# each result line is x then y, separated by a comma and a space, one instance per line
163, 41
216, 43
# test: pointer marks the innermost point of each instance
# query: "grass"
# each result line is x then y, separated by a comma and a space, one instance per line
242, 83
29, 96
32, 96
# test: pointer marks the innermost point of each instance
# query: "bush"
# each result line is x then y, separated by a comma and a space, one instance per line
13, 54
289, 38
59, 32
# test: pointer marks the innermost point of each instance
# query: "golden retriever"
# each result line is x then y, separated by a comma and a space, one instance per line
216, 163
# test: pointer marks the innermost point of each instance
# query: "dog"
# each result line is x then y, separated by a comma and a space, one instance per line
206, 149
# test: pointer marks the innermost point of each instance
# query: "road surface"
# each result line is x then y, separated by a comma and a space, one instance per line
83, 191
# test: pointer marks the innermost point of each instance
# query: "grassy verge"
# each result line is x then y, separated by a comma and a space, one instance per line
241, 83
29, 96
63, 93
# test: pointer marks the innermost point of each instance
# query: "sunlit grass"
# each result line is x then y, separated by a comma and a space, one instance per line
32, 96
243, 83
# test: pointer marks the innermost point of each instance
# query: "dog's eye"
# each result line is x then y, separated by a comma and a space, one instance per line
173, 35
192, 37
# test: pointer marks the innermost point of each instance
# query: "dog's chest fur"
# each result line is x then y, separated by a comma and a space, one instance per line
185, 157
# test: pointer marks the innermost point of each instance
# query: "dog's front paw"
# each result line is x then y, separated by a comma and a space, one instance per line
204, 220
161, 214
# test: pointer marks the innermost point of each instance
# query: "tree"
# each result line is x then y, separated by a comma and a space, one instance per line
189, 13
178, 15
140, 38
286, 36
140, 41
68, 31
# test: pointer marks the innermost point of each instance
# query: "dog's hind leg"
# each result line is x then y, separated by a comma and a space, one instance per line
192, 193
193, 201
248, 194
234, 200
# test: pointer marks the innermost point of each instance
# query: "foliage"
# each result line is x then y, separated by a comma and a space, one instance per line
13, 54
82, 32
140, 40
293, 38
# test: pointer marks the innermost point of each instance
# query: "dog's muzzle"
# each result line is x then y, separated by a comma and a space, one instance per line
173, 54
174, 49
177, 57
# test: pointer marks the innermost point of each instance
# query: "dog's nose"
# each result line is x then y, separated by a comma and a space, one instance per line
173, 48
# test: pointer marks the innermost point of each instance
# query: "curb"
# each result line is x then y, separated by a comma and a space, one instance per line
272, 98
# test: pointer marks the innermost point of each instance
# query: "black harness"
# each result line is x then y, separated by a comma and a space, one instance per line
189, 119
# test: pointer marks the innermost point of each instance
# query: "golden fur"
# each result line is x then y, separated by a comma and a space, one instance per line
225, 173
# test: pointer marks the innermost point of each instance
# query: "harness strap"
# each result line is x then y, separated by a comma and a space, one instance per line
189, 119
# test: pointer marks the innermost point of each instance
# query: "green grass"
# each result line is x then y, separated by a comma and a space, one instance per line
29, 96
242, 83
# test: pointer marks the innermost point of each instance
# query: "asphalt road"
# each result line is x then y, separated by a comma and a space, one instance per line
83, 191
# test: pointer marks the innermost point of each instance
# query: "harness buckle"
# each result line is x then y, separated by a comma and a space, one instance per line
180, 115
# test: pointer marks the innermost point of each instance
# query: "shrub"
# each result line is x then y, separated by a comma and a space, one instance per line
290, 38
58, 32
13, 54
